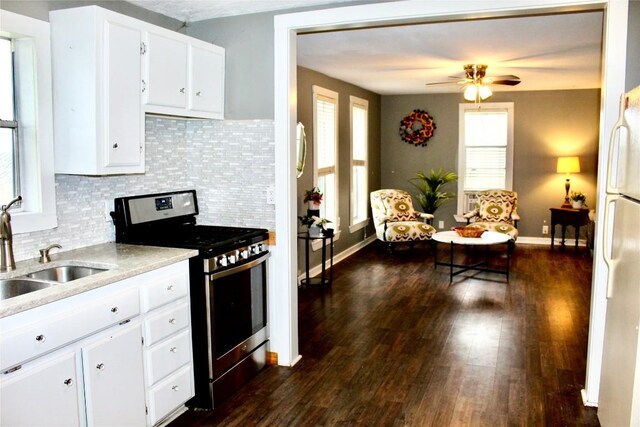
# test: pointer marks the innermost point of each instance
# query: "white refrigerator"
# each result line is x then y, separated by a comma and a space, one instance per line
619, 400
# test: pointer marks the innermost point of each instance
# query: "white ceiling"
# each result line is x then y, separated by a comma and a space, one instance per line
547, 52
198, 10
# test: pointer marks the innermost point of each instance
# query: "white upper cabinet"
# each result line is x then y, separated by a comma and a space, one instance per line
98, 116
183, 76
108, 71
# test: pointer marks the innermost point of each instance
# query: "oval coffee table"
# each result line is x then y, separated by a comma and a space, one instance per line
488, 238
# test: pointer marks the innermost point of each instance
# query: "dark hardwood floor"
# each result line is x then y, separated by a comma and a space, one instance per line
392, 343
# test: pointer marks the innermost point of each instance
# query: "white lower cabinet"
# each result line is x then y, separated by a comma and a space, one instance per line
114, 380
43, 394
88, 360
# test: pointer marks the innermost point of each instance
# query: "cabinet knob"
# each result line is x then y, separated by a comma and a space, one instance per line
198, 93
68, 382
172, 320
115, 145
175, 388
100, 367
114, 309
181, 90
41, 338
173, 349
170, 288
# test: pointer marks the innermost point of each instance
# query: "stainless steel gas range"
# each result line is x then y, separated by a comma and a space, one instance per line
228, 287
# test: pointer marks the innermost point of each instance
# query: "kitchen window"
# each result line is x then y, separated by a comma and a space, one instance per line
359, 166
9, 150
325, 159
485, 151
26, 127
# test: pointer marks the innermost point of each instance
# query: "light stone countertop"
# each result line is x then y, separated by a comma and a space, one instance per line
123, 261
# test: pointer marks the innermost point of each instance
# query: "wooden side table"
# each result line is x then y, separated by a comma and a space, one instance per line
566, 216
323, 279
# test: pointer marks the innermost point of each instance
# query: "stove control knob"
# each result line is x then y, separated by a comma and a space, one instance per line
255, 249
244, 254
260, 247
221, 261
233, 257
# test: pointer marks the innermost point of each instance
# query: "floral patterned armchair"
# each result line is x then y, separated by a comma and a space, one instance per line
496, 210
396, 220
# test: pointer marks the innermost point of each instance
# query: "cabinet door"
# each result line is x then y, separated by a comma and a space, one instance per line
42, 394
114, 382
166, 83
123, 136
207, 80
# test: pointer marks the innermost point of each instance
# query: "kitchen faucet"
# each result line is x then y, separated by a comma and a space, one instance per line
7, 263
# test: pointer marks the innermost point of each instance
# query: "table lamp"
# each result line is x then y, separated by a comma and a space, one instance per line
568, 165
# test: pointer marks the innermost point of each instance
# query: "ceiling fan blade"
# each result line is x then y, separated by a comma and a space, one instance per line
459, 82
506, 82
505, 77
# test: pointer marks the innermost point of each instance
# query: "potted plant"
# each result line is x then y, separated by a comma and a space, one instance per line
315, 224
578, 199
430, 195
313, 197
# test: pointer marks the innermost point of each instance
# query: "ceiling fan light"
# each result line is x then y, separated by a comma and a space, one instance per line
485, 92
471, 92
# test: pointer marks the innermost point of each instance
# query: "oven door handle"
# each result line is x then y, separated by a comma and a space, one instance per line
240, 268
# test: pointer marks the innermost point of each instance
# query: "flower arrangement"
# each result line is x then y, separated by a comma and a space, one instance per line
578, 196
578, 199
314, 195
310, 220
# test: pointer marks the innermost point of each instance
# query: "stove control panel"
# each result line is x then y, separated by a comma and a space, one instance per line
236, 256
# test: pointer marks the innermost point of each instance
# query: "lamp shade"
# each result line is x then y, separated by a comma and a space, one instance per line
568, 165
471, 92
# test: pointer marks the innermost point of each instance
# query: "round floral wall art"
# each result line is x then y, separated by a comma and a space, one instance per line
417, 128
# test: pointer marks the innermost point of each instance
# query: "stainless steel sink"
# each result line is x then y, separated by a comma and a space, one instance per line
65, 273
10, 288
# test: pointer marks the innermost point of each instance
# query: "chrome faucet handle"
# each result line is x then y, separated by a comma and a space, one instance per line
44, 253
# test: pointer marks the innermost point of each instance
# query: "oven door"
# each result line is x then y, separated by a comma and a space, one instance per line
238, 315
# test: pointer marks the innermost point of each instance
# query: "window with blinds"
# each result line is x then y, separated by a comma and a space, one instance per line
359, 166
325, 137
485, 159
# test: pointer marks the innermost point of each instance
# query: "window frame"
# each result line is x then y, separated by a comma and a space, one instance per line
361, 222
37, 184
320, 93
489, 106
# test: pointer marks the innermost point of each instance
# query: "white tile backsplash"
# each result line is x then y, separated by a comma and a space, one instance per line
229, 163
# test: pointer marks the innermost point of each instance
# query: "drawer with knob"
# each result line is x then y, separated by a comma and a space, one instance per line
170, 393
163, 288
168, 356
64, 324
158, 326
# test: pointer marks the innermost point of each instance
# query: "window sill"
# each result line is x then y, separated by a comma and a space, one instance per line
27, 222
317, 244
359, 226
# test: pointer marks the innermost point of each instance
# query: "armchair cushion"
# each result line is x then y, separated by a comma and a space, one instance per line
497, 205
407, 231
398, 206
500, 227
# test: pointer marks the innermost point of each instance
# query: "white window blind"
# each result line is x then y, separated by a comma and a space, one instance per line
485, 158
325, 116
9, 165
359, 166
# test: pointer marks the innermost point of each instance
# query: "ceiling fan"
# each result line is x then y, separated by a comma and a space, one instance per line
476, 83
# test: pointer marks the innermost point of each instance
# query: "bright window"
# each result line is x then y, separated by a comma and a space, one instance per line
359, 167
26, 129
485, 150
9, 165
325, 137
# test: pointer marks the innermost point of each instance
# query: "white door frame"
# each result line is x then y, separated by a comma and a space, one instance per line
283, 291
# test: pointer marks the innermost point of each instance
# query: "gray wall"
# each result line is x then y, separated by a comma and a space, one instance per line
39, 9
306, 79
547, 124
633, 46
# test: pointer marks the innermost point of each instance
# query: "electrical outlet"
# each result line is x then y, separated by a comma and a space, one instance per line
545, 229
440, 225
271, 195
107, 211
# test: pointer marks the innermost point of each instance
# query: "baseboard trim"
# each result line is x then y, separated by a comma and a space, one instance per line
546, 241
586, 401
314, 271
296, 360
